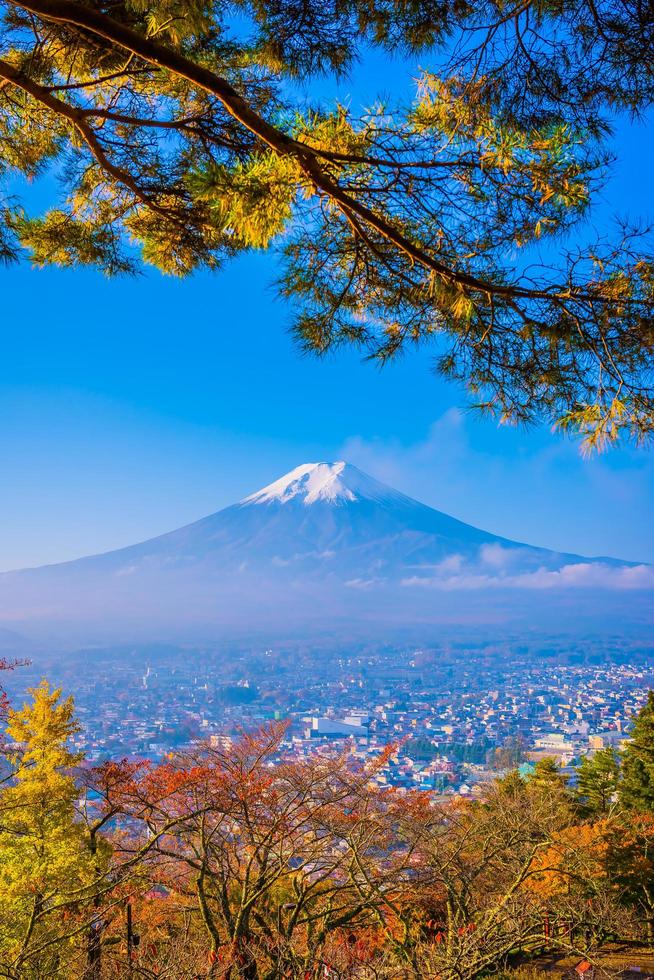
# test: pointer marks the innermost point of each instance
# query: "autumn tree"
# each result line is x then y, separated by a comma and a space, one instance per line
6, 664
267, 868
180, 137
510, 872
637, 787
259, 867
508, 755
630, 862
46, 871
245, 863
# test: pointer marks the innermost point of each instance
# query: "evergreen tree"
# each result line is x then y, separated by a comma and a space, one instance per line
512, 784
637, 787
45, 866
598, 778
180, 139
547, 775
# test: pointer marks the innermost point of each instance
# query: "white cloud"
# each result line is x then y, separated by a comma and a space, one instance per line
497, 556
125, 570
582, 575
452, 563
574, 576
363, 583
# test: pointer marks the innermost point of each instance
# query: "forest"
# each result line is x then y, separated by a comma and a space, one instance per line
241, 863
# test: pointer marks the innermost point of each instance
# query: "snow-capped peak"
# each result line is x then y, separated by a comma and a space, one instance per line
333, 483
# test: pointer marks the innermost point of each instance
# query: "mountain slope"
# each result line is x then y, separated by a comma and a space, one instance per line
324, 543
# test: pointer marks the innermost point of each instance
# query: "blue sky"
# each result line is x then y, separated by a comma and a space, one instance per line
129, 407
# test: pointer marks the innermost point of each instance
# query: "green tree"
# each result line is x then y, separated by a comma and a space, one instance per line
45, 866
637, 787
546, 773
598, 778
180, 138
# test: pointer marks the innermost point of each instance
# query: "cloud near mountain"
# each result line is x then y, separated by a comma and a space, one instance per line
587, 575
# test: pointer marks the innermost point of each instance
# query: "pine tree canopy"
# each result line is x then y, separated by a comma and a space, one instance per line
598, 779
179, 133
547, 774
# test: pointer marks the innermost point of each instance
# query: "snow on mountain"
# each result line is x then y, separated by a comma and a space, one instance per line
326, 543
335, 483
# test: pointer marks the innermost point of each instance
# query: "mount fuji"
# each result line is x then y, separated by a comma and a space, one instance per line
324, 545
